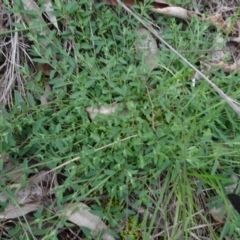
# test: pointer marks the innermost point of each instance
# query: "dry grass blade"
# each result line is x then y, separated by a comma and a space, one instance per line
226, 98
11, 50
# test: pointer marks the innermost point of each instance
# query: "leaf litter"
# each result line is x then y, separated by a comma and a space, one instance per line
38, 193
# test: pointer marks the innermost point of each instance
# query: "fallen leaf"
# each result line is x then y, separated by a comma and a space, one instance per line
176, 12
226, 67
146, 46
12, 212
166, 9
105, 110
80, 215
217, 21
52, 18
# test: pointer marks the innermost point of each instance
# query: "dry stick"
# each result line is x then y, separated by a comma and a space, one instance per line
230, 101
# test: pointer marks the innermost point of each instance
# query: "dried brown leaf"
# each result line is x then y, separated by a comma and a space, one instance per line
146, 46
228, 68
175, 12
217, 21
12, 212
52, 18
81, 216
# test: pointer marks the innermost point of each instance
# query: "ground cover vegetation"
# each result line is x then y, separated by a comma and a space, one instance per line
158, 162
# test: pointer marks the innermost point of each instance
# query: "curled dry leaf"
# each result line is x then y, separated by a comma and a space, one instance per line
217, 21
105, 110
228, 68
175, 12
160, 7
52, 18
80, 215
146, 46
12, 212
166, 9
